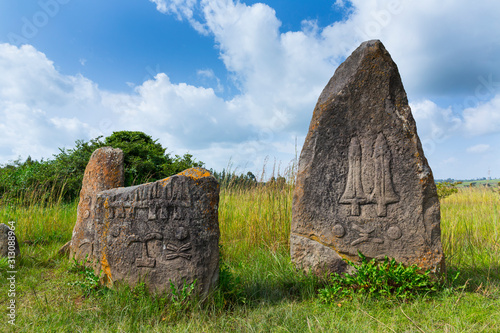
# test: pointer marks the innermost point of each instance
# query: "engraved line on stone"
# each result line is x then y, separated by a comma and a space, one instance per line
91, 247
179, 251
85, 241
353, 193
366, 236
152, 212
145, 260
383, 192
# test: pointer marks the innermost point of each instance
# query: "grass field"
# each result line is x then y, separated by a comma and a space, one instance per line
263, 292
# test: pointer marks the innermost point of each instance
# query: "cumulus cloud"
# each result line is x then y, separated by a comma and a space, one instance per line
180, 8
478, 149
435, 122
42, 109
483, 119
208, 76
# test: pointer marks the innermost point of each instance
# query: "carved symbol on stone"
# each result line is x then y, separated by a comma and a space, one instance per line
394, 233
179, 251
130, 212
87, 202
354, 194
181, 233
383, 192
89, 248
366, 236
120, 211
152, 212
338, 231
177, 193
145, 260
85, 241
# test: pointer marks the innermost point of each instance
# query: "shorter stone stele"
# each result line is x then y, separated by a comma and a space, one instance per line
159, 233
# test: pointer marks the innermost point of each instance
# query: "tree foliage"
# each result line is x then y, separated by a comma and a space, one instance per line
60, 178
445, 189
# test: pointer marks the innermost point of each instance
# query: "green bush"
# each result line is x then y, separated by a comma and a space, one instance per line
60, 178
445, 189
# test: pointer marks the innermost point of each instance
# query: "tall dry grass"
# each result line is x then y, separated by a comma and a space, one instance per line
258, 217
470, 224
39, 218
255, 218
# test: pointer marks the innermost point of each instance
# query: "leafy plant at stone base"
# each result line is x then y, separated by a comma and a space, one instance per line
183, 298
387, 279
445, 189
89, 283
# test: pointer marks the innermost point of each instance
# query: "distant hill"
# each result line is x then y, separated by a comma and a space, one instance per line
468, 182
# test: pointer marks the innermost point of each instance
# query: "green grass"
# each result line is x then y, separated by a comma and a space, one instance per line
262, 291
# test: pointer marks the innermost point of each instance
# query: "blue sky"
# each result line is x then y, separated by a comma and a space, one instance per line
238, 81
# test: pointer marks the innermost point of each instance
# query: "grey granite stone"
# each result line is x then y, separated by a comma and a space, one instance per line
363, 182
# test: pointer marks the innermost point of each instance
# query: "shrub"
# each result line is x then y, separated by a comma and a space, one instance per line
61, 178
445, 189
387, 279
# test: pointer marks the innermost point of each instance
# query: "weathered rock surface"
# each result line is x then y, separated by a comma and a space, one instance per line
363, 182
160, 232
9, 247
103, 172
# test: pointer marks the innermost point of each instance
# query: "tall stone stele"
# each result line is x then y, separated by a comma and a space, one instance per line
363, 182
104, 171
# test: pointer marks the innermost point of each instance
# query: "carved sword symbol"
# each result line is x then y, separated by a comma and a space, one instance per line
365, 235
179, 251
145, 260
383, 193
354, 194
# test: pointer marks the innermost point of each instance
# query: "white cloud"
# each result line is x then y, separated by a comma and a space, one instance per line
435, 122
208, 76
41, 110
478, 149
180, 8
483, 119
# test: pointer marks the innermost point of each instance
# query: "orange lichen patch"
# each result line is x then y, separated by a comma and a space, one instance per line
429, 260
106, 209
106, 269
163, 182
195, 173
104, 261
